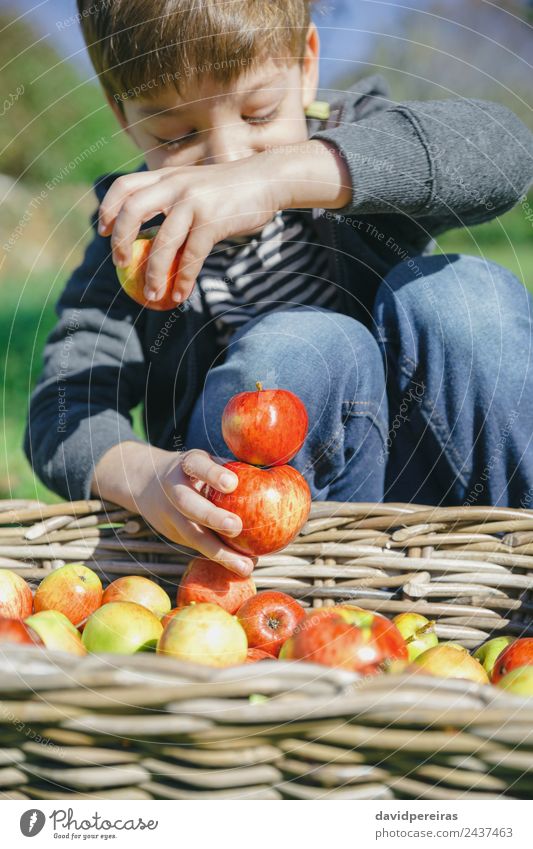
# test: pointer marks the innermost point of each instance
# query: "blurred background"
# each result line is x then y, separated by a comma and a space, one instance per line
57, 135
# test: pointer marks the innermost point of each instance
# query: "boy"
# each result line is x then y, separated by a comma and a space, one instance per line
305, 231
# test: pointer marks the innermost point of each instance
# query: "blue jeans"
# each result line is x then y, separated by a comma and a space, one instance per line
433, 405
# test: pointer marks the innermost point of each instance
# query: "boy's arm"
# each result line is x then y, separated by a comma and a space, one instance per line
455, 162
93, 375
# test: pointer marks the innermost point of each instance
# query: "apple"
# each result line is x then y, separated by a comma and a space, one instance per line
16, 600
266, 427
269, 618
518, 681
366, 645
207, 581
518, 653
170, 615
489, 652
418, 632
204, 633
255, 655
140, 590
56, 631
273, 505
122, 627
452, 661
132, 277
73, 589
16, 631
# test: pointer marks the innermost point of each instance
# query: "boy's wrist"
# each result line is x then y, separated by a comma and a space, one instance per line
312, 174
122, 473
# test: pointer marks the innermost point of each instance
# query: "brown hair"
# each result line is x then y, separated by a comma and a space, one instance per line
137, 46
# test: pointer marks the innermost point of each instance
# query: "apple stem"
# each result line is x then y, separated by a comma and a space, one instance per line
259, 385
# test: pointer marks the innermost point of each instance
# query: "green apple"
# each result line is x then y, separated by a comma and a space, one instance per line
418, 632
56, 631
518, 681
122, 627
488, 653
205, 633
451, 661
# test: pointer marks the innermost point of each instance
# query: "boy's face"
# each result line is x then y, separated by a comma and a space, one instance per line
208, 123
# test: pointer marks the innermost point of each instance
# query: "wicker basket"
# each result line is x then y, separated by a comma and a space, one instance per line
150, 727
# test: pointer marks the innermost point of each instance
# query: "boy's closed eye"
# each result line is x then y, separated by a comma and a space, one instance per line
191, 135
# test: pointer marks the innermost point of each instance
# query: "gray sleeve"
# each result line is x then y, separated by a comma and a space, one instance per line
454, 161
92, 377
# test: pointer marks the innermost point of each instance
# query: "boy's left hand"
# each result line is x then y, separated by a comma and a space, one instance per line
204, 204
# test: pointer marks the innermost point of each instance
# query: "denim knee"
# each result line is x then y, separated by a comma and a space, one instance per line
464, 305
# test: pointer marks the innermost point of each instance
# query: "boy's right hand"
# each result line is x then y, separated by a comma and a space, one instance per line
164, 487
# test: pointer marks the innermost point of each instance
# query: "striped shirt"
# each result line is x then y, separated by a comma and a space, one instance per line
280, 267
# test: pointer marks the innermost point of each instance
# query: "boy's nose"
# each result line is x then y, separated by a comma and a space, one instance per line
227, 145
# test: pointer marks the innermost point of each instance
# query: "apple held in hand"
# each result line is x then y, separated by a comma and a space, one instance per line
140, 590
209, 582
273, 505
269, 618
133, 277
488, 653
366, 645
418, 632
16, 631
73, 589
518, 653
16, 600
448, 660
122, 627
56, 631
266, 427
206, 634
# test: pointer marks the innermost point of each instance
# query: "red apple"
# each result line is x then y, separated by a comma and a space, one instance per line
266, 427
206, 634
16, 631
519, 653
269, 618
448, 660
366, 644
122, 627
73, 589
255, 655
273, 505
16, 600
56, 631
170, 615
207, 581
140, 590
132, 278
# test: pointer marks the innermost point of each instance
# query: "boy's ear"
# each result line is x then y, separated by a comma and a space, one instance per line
310, 66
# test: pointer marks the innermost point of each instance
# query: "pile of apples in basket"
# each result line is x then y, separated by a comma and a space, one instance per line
219, 619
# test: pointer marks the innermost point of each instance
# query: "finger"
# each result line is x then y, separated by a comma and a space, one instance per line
117, 194
137, 208
212, 547
170, 237
197, 463
199, 509
197, 247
